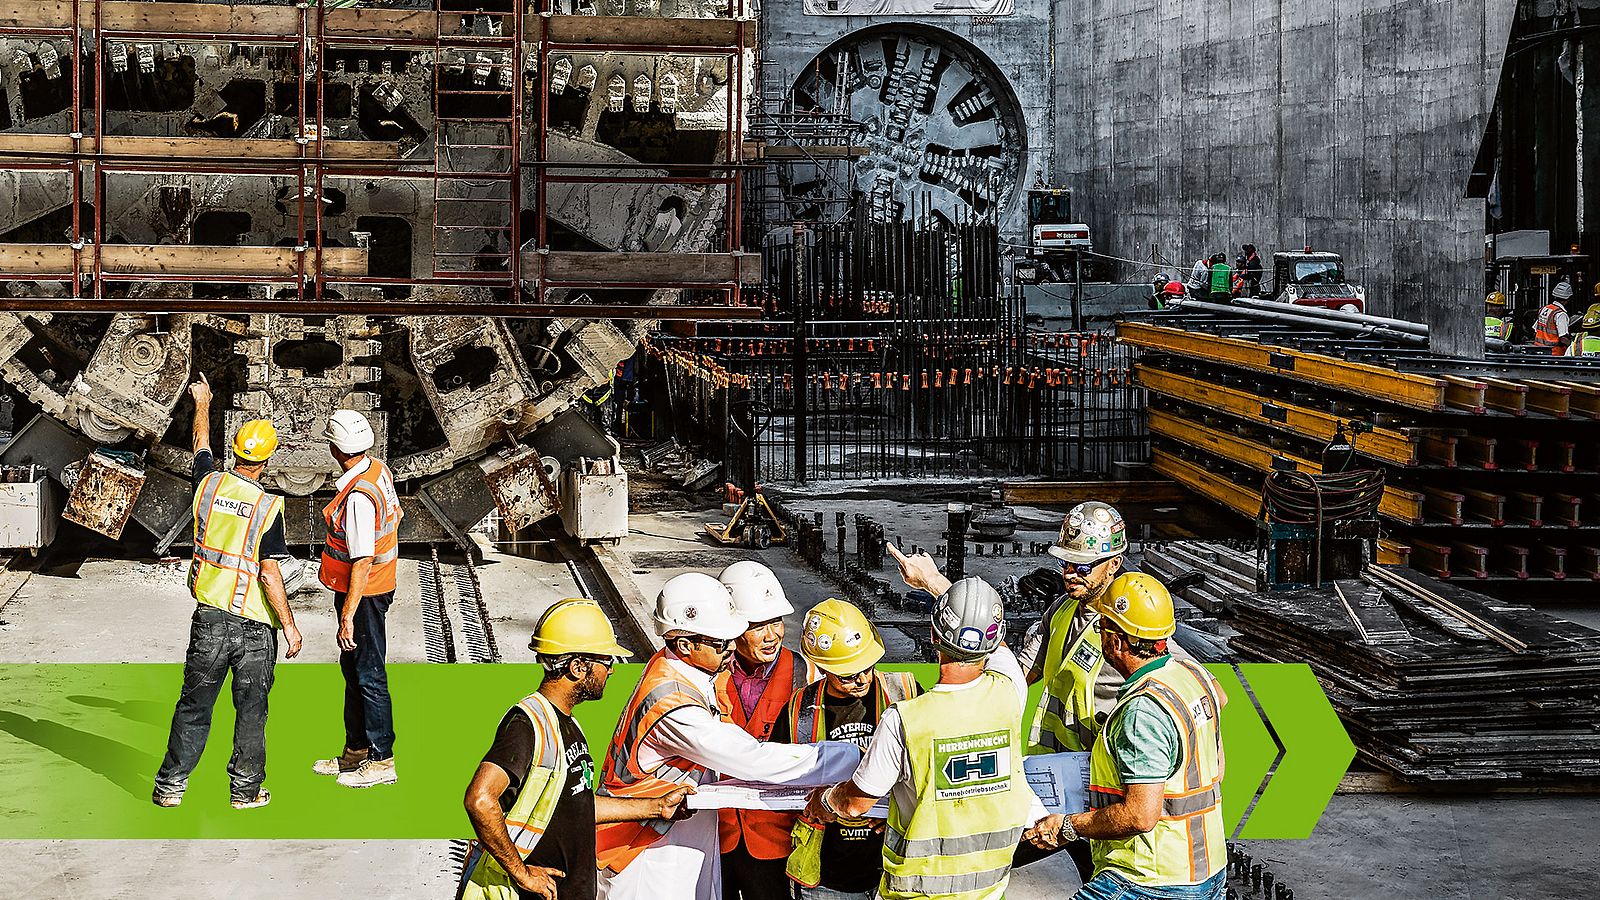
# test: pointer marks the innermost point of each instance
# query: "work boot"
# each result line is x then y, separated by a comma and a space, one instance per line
166, 801
348, 761
371, 772
263, 797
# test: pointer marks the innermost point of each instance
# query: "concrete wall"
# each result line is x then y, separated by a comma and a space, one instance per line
1352, 125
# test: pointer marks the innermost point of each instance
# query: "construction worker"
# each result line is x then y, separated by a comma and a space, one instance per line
1496, 327
360, 561
1586, 340
235, 578
1250, 269
532, 800
754, 690
1553, 328
671, 734
1221, 279
1062, 650
840, 860
1155, 773
950, 761
1199, 284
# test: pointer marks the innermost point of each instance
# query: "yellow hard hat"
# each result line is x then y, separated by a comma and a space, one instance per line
256, 440
1139, 606
1496, 299
575, 625
839, 639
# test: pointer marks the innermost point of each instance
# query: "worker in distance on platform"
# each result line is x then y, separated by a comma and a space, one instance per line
360, 564
236, 580
1155, 773
1063, 649
532, 801
1496, 327
950, 762
840, 860
1553, 327
1586, 337
753, 690
1250, 270
672, 733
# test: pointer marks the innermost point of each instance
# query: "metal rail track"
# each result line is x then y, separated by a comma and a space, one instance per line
441, 583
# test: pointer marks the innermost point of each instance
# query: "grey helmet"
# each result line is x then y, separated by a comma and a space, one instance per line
969, 620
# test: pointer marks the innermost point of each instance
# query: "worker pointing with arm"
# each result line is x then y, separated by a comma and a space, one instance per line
360, 562
532, 800
951, 763
1155, 774
671, 733
236, 581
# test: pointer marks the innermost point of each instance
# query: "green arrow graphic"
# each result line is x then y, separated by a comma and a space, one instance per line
1249, 747
1316, 751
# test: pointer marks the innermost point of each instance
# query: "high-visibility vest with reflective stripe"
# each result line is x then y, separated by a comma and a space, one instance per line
1544, 328
1187, 845
483, 878
377, 484
808, 724
660, 691
965, 751
231, 516
1587, 345
1064, 719
1221, 278
1496, 327
766, 834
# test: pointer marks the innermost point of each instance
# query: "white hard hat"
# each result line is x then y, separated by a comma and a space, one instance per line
757, 594
699, 604
969, 620
349, 431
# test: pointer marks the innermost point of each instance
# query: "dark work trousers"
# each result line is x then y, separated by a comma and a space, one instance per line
220, 642
753, 879
368, 714
1078, 850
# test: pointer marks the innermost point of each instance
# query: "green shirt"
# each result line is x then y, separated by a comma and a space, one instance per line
1142, 737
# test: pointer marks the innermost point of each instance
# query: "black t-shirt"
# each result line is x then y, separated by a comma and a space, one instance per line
852, 855
568, 841
274, 545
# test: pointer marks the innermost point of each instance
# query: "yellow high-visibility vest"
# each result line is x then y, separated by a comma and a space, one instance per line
965, 749
231, 516
483, 878
1187, 846
1064, 719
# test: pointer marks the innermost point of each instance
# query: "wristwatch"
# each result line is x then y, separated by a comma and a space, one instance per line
826, 806
1067, 834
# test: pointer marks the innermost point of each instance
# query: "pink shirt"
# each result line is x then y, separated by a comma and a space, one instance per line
749, 685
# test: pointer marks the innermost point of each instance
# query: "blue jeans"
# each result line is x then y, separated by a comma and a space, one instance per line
220, 642
1111, 886
368, 713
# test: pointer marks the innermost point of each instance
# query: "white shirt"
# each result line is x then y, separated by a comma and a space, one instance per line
360, 516
886, 767
686, 862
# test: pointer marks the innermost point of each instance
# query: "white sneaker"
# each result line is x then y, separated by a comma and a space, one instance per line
263, 797
371, 772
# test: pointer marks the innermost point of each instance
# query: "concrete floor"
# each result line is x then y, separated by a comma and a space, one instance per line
1367, 845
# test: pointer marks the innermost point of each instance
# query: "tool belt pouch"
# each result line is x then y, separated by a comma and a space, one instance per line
805, 859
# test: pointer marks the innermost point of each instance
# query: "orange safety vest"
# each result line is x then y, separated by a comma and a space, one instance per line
766, 834
378, 485
660, 691
1544, 328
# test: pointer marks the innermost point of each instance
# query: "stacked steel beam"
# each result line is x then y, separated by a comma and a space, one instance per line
1435, 682
1491, 465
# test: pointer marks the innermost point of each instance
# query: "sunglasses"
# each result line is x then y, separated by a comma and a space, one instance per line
858, 678
719, 646
1083, 570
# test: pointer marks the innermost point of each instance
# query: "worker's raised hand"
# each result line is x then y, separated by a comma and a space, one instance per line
672, 805
201, 389
919, 571
1045, 833
815, 810
347, 633
291, 636
539, 880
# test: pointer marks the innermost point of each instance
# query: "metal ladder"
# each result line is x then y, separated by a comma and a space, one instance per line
477, 88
